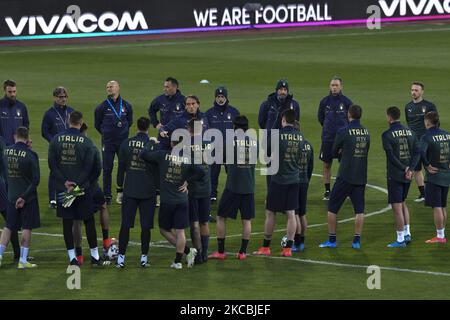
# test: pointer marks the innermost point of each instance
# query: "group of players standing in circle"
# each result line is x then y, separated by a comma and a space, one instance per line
147, 168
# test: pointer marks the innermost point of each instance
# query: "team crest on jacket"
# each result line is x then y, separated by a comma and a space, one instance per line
424, 108
229, 116
18, 113
292, 107
177, 106
341, 107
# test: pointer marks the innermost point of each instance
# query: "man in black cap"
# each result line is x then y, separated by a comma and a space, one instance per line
270, 111
221, 117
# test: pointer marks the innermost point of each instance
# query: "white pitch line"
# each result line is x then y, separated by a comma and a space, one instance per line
346, 265
221, 41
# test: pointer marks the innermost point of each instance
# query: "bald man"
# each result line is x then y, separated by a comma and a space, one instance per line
113, 119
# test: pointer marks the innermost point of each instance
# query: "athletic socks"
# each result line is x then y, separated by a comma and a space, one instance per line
24, 254
144, 259
356, 238
79, 251
406, 230
327, 187
94, 253
221, 244
400, 236
332, 237
422, 191
266, 243
71, 254
205, 243
178, 256
440, 233
121, 259
186, 251
105, 233
297, 239
244, 244
302, 239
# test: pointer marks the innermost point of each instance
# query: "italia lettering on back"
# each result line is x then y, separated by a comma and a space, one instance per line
198, 147
401, 133
15, 153
176, 159
244, 143
441, 137
70, 138
136, 144
358, 132
291, 137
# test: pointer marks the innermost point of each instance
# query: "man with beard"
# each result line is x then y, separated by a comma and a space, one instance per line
56, 120
415, 111
13, 113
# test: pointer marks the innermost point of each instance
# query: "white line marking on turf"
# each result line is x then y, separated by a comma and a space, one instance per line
346, 265
220, 41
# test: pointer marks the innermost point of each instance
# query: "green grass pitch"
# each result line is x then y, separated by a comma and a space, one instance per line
377, 68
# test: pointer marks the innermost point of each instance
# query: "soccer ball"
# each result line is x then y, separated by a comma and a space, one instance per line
284, 241
113, 250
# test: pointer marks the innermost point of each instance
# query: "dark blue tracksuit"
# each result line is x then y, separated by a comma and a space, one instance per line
56, 120
332, 115
114, 131
13, 114
270, 116
179, 123
3, 177
221, 118
169, 107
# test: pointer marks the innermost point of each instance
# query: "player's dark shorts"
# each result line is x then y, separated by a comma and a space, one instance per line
199, 209
146, 212
342, 190
81, 209
282, 197
397, 191
231, 202
99, 199
326, 152
435, 196
3, 195
302, 198
25, 218
173, 216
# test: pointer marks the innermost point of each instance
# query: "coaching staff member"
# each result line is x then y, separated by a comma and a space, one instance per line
113, 119
332, 116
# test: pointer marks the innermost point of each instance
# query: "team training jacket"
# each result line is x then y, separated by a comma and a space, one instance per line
332, 115
106, 121
13, 114
169, 107
56, 120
